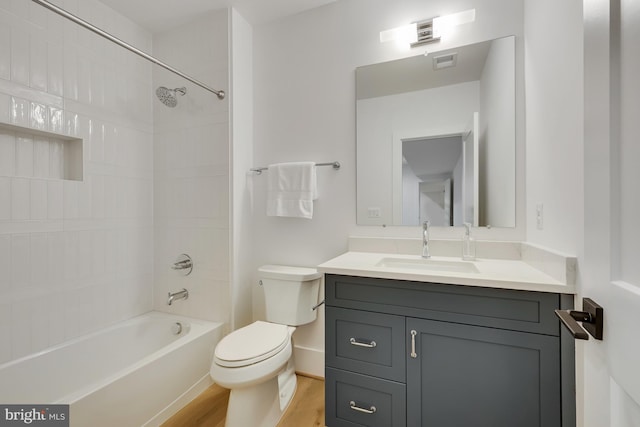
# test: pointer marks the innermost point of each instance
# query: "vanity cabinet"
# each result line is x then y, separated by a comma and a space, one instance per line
426, 354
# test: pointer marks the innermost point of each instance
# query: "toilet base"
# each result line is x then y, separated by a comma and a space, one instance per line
262, 405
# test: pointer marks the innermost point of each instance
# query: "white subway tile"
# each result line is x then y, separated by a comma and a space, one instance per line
24, 156
5, 108
41, 158
20, 56
5, 266
20, 261
39, 325
70, 196
38, 199
56, 159
84, 199
20, 199
70, 72
97, 132
97, 197
5, 332
20, 111
71, 247
38, 15
54, 199
85, 257
71, 123
97, 84
84, 80
5, 198
55, 57
39, 260
20, 9
39, 116
56, 258
5, 52
21, 329
38, 64
7, 153
99, 253
56, 120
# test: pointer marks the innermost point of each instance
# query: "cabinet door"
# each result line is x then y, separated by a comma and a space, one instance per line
462, 375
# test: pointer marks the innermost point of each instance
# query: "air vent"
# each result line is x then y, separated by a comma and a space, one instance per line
445, 61
424, 31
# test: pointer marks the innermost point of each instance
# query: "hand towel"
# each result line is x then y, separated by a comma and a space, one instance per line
291, 189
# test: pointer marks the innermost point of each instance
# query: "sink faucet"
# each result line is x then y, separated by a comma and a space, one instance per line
425, 240
183, 294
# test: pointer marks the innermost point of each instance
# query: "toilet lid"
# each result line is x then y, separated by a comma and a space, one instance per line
251, 344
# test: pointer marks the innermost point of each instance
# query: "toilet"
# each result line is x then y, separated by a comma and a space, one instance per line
256, 361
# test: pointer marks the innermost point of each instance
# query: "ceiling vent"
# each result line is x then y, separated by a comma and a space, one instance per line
445, 61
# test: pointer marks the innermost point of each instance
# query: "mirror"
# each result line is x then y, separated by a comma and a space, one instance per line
436, 138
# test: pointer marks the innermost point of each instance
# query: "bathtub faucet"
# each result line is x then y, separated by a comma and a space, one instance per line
183, 294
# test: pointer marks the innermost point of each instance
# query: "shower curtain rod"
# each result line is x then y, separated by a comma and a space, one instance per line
125, 45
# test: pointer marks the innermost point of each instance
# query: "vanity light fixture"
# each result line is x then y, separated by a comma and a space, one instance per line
428, 30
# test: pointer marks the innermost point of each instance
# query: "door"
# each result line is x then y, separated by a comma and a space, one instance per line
610, 265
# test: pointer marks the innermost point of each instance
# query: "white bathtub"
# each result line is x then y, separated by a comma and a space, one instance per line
137, 372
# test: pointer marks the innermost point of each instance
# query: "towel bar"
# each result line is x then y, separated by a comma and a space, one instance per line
335, 165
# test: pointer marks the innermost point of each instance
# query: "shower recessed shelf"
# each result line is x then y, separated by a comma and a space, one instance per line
42, 154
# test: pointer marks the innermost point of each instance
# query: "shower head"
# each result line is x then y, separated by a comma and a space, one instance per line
169, 96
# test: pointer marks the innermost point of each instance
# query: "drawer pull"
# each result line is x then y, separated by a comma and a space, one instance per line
370, 344
413, 344
371, 410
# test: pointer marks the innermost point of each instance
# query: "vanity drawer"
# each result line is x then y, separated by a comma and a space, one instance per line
497, 308
365, 342
354, 399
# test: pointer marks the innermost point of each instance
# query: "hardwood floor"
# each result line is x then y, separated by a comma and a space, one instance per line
209, 408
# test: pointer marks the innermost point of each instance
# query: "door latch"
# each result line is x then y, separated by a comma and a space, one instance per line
591, 319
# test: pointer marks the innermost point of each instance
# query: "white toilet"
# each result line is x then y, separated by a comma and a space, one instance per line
256, 362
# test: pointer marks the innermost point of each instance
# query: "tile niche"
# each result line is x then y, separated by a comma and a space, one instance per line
31, 153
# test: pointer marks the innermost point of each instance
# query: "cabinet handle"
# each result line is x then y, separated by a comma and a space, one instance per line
413, 344
370, 344
371, 410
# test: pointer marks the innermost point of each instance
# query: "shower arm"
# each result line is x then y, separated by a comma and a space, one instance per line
98, 31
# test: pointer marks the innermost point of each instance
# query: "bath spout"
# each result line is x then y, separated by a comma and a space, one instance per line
183, 294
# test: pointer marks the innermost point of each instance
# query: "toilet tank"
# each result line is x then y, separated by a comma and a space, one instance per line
290, 293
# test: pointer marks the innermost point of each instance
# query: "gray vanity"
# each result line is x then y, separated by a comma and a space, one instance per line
427, 353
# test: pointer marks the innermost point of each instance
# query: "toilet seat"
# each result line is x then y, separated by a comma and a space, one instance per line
251, 344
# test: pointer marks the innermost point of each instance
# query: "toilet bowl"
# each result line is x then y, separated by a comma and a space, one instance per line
256, 361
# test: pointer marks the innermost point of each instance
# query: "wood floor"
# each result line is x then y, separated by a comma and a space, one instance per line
209, 408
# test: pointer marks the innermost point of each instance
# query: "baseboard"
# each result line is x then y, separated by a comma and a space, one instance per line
309, 361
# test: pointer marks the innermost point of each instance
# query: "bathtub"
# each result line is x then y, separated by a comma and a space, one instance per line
135, 373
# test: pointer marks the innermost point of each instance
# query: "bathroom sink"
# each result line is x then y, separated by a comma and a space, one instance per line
428, 265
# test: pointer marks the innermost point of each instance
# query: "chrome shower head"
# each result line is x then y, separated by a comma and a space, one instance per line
169, 96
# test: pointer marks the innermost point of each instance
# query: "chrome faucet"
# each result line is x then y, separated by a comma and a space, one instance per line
183, 294
425, 240
183, 263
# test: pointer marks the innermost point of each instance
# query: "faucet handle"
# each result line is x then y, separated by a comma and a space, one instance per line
183, 262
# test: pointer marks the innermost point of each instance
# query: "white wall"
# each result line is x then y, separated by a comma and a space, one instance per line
191, 192
554, 87
305, 110
497, 130
75, 256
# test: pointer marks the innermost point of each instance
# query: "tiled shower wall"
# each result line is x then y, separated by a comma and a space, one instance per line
75, 255
191, 187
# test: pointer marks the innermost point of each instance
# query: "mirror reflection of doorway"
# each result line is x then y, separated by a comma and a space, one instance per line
435, 203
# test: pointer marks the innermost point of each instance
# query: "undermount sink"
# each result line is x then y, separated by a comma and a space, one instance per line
428, 265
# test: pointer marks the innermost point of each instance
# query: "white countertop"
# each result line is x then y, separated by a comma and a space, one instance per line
492, 273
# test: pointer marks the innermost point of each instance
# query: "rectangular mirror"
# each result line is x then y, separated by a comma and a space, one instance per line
436, 138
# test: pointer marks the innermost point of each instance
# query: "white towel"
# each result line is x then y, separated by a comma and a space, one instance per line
292, 188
